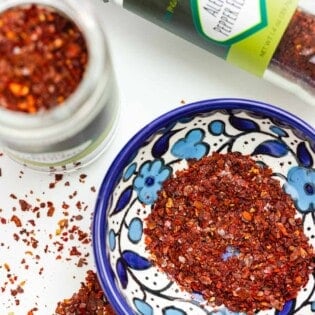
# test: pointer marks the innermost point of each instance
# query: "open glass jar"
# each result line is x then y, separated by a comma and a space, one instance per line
79, 128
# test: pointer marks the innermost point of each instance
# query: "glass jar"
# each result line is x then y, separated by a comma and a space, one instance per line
246, 33
293, 64
75, 133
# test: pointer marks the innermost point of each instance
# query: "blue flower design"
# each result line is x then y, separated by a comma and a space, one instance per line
191, 146
301, 187
150, 179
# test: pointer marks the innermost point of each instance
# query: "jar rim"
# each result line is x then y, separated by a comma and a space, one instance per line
56, 121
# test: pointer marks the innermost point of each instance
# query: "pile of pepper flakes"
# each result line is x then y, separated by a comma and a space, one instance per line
223, 227
89, 300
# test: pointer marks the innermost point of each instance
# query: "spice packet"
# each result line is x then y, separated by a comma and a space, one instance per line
274, 40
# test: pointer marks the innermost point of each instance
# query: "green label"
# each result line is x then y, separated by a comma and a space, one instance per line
228, 22
244, 32
255, 52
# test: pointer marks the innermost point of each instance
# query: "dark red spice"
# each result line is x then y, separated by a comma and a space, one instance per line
89, 300
24, 205
223, 227
93, 189
43, 58
16, 220
295, 55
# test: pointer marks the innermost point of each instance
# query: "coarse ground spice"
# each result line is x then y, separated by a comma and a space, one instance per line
68, 239
43, 56
89, 300
223, 227
295, 55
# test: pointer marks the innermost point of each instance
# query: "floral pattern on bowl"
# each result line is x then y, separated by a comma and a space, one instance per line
270, 135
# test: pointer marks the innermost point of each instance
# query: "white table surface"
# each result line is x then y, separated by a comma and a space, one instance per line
155, 72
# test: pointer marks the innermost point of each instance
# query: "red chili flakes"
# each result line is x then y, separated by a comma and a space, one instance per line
295, 54
13, 196
51, 209
225, 228
17, 290
74, 251
44, 58
12, 284
62, 224
58, 178
89, 300
16, 220
7, 267
82, 178
82, 262
24, 205
73, 195
31, 312
93, 189
79, 205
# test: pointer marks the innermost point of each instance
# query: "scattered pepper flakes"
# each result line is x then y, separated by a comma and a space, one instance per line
82, 178
16, 220
31, 312
13, 196
79, 241
93, 189
7, 267
24, 205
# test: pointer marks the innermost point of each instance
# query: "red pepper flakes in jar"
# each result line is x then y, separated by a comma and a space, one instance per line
223, 227
43, 56
295, 55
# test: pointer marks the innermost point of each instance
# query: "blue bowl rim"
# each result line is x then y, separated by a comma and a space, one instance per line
100, 252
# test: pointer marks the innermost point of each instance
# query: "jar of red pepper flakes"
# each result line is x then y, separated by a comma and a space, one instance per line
272, 39
293, 63
58, 97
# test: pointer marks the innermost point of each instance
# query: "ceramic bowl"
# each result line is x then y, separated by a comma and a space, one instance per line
267, 133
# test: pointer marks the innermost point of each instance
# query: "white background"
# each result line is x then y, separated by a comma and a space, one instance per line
155, 71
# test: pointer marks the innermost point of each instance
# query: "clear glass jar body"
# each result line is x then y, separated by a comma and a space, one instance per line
185, 19
72, 135
293, 64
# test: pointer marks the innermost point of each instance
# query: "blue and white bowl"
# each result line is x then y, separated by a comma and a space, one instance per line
269, 134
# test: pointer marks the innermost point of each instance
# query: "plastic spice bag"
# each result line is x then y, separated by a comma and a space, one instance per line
272, 39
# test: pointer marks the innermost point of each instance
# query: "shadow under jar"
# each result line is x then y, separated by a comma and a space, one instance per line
58, 97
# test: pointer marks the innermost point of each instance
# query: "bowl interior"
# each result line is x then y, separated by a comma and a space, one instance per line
270, 135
